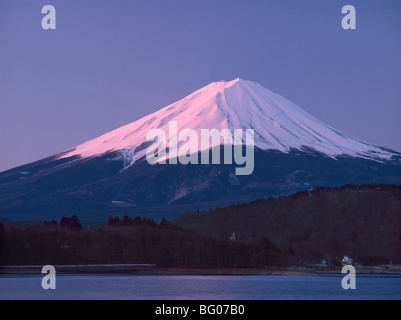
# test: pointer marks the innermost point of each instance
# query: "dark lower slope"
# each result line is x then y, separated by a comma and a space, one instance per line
95, 187
364, 223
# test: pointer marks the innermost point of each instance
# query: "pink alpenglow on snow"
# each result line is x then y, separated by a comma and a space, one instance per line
277, 124
211, 139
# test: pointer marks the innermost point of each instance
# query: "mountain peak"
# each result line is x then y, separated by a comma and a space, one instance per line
237, 104
219, 86
230, 81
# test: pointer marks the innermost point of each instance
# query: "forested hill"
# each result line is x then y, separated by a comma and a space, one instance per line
325, 223
363, 222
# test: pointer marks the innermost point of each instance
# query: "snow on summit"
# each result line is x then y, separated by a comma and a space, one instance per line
238, 104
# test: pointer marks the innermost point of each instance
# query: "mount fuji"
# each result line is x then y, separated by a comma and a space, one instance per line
294, 151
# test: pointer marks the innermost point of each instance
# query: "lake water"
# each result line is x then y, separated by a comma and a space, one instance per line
166, 287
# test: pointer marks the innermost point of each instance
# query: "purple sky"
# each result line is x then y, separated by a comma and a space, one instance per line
110, 62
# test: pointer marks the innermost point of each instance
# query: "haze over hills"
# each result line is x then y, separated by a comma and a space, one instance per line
110, 175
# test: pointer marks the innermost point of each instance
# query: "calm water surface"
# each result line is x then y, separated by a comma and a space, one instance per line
162, 287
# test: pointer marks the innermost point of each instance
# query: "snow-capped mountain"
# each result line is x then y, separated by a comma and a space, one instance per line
238, 104
109, 175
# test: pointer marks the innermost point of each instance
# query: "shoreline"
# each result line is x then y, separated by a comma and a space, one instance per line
154, 270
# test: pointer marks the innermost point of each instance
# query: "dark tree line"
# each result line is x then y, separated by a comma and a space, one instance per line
317, 190
129, 240
71, 223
